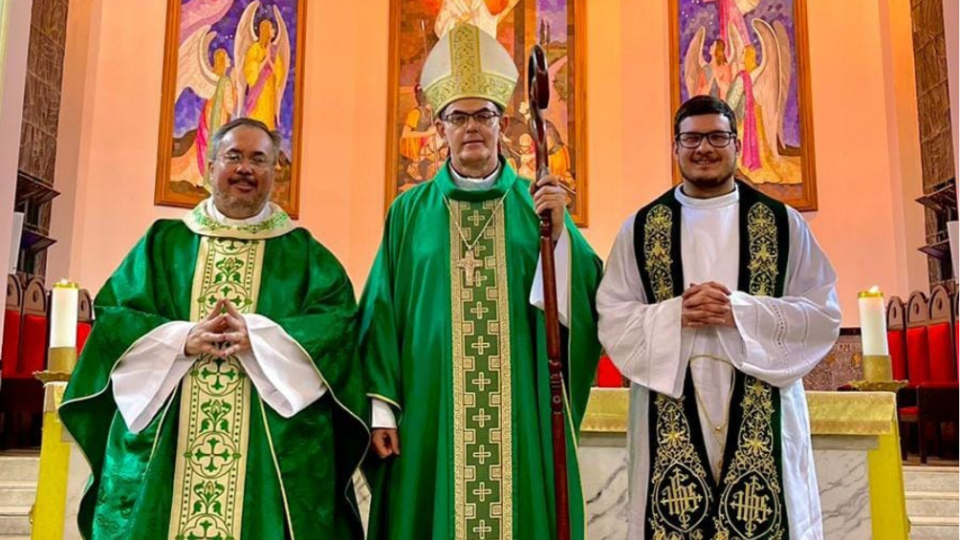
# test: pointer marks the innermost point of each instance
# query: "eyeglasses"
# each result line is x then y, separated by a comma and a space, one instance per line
483, 117
259, 161
717, 139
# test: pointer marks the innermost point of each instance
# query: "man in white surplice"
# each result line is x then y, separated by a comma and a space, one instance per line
713, 332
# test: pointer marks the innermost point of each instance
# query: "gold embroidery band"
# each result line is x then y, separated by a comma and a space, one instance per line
211, 458
482, 415
762, 234
681, 497
750, 502
683, 502
657, 246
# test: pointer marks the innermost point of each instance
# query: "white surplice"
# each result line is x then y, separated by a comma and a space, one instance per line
776, 340
151, 370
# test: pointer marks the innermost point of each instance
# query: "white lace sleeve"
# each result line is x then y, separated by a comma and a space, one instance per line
784, 338
643, 340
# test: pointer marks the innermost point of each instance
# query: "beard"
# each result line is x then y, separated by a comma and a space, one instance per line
711, 180
238, 205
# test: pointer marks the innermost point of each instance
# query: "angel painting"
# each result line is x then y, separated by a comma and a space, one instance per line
265, 55
415, 153
749, 53
227, 59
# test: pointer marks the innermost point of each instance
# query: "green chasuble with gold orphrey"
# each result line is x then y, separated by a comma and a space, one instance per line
450, 340
216, 462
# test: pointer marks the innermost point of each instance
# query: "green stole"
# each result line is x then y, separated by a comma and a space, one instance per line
684, 499
482, 387
210, 471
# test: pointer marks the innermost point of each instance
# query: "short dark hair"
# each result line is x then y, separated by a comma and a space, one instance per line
244, 121
701, 105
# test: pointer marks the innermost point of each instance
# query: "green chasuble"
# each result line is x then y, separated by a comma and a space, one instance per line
216, 462
450, 340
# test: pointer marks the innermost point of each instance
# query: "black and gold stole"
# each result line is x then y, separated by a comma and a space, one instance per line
684, 500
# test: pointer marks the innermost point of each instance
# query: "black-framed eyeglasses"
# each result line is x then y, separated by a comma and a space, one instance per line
717, 139
484, 117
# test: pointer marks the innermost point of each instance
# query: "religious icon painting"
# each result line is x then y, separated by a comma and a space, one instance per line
753, 55
414, 150
226, 59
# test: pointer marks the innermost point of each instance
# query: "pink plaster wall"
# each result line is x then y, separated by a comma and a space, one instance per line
862, 221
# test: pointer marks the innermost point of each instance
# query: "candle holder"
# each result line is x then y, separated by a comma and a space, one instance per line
50, 508
877, 375
875, 360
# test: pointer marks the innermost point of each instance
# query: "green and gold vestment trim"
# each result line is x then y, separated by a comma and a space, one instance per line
684, 500
210, 470
199, 221
482, 415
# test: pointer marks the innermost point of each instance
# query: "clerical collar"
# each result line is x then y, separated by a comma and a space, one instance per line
712, 203
467, 183
217, 215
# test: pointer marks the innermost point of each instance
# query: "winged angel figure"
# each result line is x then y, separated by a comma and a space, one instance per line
263, 58
211, 82
251, 83
756, 86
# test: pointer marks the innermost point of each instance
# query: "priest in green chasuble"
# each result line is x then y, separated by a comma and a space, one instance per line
219, 395
452, 332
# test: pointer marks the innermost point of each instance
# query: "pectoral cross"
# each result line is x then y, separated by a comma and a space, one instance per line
469, 264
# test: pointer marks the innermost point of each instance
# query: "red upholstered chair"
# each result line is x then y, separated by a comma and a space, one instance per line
21, 399
897, 337
918, 367
943, 360
33, 352
10, 355
84, 319
918, 340
937, 397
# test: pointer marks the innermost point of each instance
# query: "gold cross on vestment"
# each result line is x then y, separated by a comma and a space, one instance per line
469, 264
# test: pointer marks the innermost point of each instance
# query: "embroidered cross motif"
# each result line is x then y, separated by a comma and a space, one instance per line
482, 454
481, 418
482, 529
482, 491
211, 458
475, 218
481, 346
479, 311
482, 381
222, 370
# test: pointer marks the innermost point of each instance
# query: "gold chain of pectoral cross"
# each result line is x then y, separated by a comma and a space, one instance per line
469, 263
718, 429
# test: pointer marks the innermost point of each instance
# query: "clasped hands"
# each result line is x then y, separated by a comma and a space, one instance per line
222, 333
706, 304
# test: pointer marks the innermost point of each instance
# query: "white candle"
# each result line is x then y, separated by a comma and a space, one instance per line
873, 323
63, 314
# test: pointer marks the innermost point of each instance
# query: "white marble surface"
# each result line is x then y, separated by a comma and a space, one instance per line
841, 473
844, 493
603, 473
